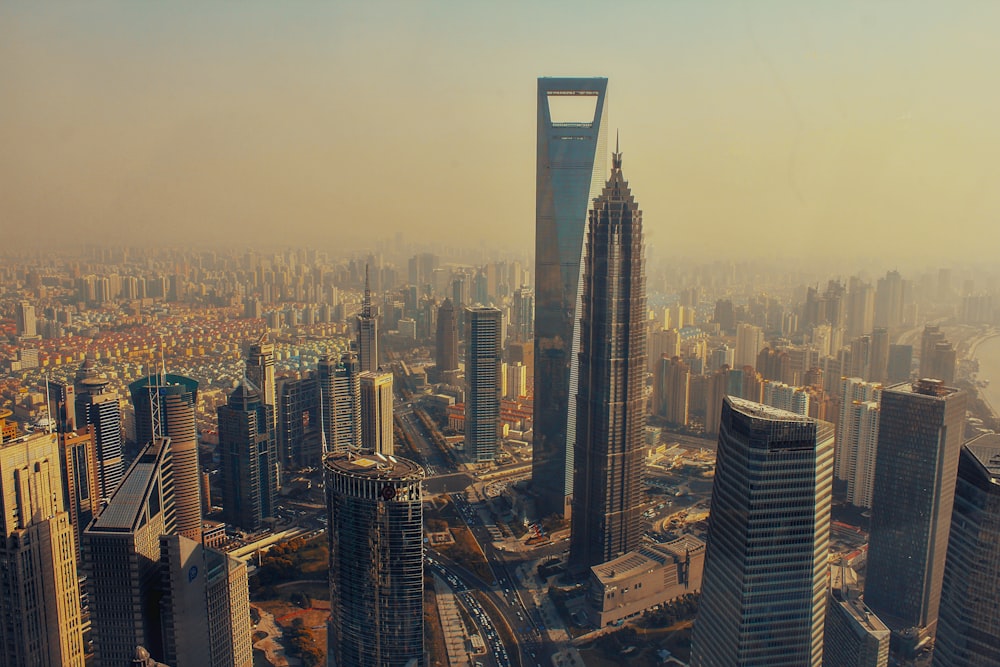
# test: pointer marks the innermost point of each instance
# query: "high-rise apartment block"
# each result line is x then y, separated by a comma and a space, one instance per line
375, 519
164, 407
967, 633
40, 622
749, 343
25, 319
672, 390
376, 412
482, 383
919, 440
570, 172
611, 398
857, 438
248, 459
764, 587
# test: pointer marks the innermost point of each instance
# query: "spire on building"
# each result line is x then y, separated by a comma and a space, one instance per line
366, 305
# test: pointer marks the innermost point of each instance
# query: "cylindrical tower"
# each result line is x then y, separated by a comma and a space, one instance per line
375, 511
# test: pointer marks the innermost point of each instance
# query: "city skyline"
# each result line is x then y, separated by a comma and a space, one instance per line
827, 119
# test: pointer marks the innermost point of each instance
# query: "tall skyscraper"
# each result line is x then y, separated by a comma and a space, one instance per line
570, 172
967, 632
900, 360
482, 383
517, 381
889, 300
340, 386
299, 439
99, 407
919, 439
764, 589
121, 550
522, 314
205, 606
375, 518
164, 406
854, 636
248, 459
62, 405
879, 355
39, 591
611, 398
368, 331
446, 351
376, 412
260, 369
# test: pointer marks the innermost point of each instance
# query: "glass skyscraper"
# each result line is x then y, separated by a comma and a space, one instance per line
482, 374
764, 589
919, 439
375, 512
571, 165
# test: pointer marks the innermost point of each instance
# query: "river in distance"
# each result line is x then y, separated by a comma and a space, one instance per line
988, 354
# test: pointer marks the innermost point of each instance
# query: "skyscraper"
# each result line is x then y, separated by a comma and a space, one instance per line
749, 342
39, 592
967, 632
25, 319
857, 438
260, 369
340, 386
482, 383
299, 441
375, 518
99, 407
570, 172
764, 589
164, 406
919, 439
854, 636
671, 390
446, 350
205, 606
80, 479
611, 399
368, 332
376, 412
121, 550
248, 459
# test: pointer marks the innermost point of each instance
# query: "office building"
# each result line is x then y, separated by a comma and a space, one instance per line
299, 434
260, 372
205, 606
611, 398
854, 636
368, 331
40, 623
99, 407
764, 589
522, 314
919, 439
375, 518
248, 459
446, 350
164, 407
340, 388
967, 633
482, 383
62, 405
569, 174
80, 480
121, 550
900, 361
376, 412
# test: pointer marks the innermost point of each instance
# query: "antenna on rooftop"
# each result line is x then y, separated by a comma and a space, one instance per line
48, 406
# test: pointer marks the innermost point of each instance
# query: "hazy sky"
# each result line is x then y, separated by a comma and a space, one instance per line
867, 127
